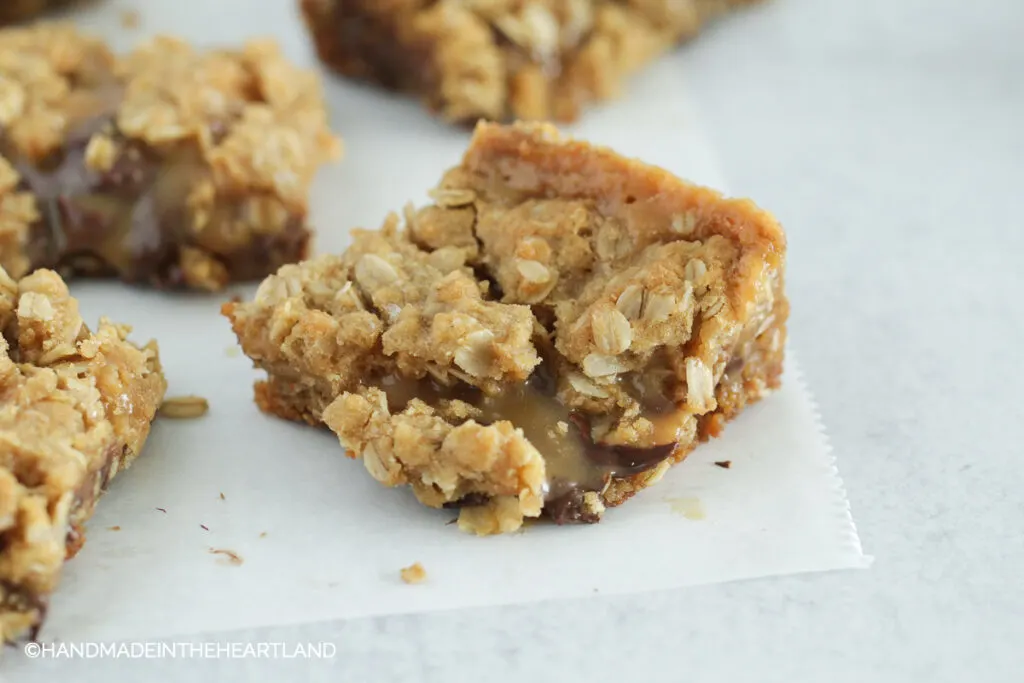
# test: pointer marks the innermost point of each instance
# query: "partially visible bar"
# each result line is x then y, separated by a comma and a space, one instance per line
169, 166
75, 410
503, 59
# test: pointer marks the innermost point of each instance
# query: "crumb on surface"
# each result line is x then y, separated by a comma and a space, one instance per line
724, 464
184, 407
230, 556
205, 527
689, 507
113, 528
130, 18
222, 496
414, 573
263, 534
163, 510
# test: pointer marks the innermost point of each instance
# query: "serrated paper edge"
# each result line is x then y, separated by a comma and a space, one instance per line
841, 498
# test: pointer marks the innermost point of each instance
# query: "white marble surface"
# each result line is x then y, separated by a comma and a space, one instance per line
888, 136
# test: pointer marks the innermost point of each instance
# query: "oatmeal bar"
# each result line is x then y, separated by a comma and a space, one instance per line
500, 59
558, 327
168, 166
75, 409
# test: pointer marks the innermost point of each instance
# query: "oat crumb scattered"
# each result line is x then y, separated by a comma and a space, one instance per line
263, 534
184, 407
230, 556
690, 508
114, 528
222, 496
129, 18
724, 464
414, 573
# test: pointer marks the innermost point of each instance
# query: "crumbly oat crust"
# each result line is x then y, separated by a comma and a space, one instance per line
75, 409
555, 330
501, 59
169, 165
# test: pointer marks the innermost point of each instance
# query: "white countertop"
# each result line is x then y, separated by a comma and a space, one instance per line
888, 137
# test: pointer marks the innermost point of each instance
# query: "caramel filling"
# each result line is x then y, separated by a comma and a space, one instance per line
574, 461
132, 219
125, 219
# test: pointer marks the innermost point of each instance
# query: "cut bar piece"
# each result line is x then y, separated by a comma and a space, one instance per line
500, 59
548, 336
168, 166
75, 410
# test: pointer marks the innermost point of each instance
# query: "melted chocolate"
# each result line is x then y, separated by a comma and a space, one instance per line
576, 464
735, 365
102, 223
623, 461
372, 43
468, 501
20, 599
569, 508
131, 221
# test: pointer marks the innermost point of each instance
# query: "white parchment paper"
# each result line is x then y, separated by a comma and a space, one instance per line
317, 538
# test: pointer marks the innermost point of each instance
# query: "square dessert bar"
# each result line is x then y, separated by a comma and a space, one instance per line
75, 409
501, 59
168, 166
558, 327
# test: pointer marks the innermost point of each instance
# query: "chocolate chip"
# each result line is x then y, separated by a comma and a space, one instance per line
367, 44
129, 175
543, 381
621, 460
470, 500
494, 290
265, 253
20, 598
131, 220
570, 508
